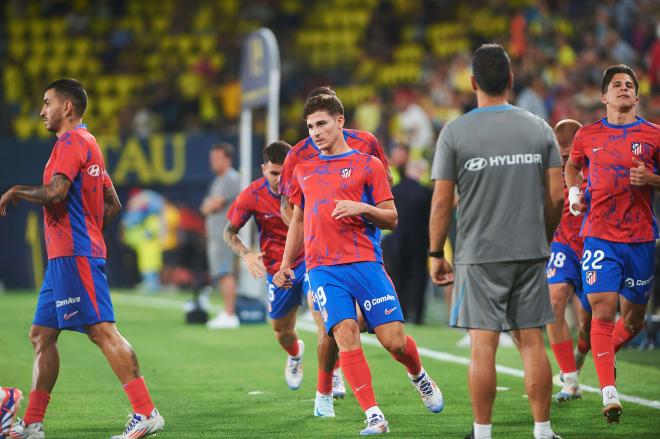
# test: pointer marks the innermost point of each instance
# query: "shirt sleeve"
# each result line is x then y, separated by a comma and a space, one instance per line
376, 150
377, 182
71, 156
554, 157
296, 196
577, 153
241, 209
444, 160
287, 174
107, 181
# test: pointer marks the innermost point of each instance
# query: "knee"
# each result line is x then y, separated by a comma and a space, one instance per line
558, 299
39, 339
395, 345
102, 335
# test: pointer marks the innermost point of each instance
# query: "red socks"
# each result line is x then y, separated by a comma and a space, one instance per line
139, 396
620, 336
357, 373
37, 405
337, 363
294, 349
410, 357
324, 382
602, 349
564, 355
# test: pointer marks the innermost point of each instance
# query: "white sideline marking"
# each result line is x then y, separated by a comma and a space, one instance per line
164, 303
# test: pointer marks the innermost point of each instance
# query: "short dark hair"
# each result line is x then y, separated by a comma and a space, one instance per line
71, 89
609, 73
325, 90
323, 102
276, 152
225, 147
491, 68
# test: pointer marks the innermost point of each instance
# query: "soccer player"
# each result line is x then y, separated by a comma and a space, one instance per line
505, 163
330, 381
619, 228
344, 198
10, 400
79, 200
262, 200
565, 278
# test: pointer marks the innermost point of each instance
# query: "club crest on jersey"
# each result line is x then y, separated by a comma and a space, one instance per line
550, 272
346, 172
636, 148
591, 277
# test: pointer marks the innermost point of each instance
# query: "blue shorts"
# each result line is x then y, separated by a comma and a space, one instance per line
564, 267
280, 300
74, 295
626, 268
338, 287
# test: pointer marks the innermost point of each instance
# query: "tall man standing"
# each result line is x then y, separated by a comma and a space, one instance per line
79, 200
505, 163
224, 189
619, 228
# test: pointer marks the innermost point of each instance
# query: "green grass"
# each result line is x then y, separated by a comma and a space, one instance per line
201, 382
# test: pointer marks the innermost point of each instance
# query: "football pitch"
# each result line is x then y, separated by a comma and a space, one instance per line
212, 384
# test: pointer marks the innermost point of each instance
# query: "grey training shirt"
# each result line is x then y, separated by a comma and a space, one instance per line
498, 156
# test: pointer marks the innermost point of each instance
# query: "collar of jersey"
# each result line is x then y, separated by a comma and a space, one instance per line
270, 191
80, 125
623, 127
504, 107
339, 156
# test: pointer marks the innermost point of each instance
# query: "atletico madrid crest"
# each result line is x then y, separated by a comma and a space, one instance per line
591, 277
636, 148
345, 172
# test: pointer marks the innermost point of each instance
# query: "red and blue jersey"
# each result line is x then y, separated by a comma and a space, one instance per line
362, 141
616, 210
74, 226
258, 200
317, 183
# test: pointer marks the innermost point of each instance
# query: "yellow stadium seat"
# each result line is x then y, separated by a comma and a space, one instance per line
23, 127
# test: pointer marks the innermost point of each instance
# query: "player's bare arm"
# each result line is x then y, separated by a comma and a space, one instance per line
554, 200
254, 261
442, 204
383, 215
54, 192
285, 209
111, 205
642, 175
293, 247
572, 178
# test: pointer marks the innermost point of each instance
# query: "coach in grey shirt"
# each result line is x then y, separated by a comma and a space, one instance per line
224, 189
505, 163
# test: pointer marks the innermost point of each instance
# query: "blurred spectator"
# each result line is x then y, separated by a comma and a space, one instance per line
143, 231
407, 245
222, 192
531, 98
414, 126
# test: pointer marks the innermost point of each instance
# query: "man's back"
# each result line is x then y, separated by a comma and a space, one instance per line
498, 156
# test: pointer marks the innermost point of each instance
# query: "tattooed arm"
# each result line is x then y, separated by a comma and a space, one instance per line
111, 204
54, 192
